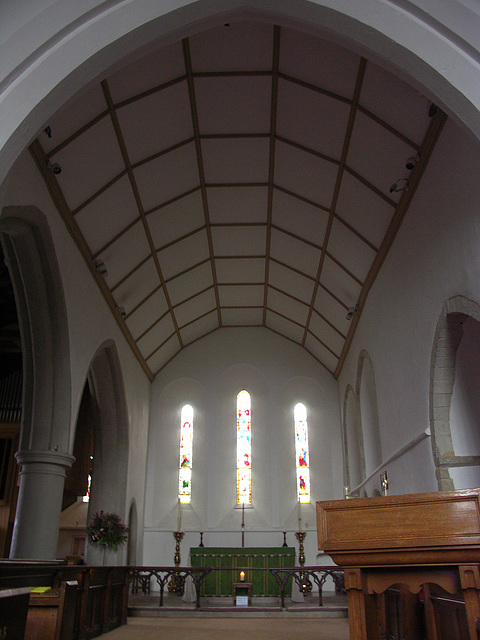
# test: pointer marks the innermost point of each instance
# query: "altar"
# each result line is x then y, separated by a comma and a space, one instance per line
220, 583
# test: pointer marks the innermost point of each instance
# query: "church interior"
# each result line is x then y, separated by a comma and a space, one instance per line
196, 202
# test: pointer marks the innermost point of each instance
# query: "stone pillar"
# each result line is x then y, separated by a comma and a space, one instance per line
37, 520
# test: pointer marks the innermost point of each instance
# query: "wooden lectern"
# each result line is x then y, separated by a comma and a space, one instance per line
421, 550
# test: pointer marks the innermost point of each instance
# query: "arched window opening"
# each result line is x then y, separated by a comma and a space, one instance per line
186, 450
301, 452
244, 448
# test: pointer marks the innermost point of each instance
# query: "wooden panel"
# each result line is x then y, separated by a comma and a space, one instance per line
13, 613
409, 521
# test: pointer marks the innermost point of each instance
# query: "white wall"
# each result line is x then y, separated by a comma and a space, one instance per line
208, 375
436, 256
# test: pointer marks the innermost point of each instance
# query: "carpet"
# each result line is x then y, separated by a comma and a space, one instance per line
231, 629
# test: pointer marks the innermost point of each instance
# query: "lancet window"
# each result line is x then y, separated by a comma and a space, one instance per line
244, 448
186, 450
301, 452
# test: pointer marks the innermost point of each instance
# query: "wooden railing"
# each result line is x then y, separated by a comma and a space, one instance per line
141, 579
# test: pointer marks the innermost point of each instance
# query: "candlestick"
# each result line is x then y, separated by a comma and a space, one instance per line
177, 582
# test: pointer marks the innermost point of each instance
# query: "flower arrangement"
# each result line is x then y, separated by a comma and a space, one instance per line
107, 529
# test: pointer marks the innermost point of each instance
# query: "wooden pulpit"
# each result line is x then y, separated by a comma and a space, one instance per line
425, 548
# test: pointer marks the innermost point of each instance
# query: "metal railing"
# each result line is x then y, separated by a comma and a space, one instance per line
173, 578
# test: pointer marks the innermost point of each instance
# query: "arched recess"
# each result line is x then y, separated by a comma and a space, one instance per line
132, 535
110, 443
44, 452
353, 440
446, 348
366, 392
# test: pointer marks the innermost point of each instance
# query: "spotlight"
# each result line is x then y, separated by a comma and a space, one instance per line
54, 168
432, 109
395, 188
100, 267
411, 162
351, 312
48, 131
122, 312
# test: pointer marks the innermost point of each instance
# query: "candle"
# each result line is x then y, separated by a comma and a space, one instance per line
179, 516
243, 514
242, 576
201, 525
299, 515
284, 527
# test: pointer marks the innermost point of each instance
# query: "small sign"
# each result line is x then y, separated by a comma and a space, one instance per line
242, 601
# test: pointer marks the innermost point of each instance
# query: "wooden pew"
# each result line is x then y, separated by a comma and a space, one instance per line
13, 613
51, 614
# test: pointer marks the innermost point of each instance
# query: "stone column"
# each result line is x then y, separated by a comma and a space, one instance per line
37, 520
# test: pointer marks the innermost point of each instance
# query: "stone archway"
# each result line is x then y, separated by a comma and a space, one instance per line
448, 336
110, 443
44, 453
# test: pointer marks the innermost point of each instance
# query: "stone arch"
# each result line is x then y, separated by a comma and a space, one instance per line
44, 451
447, 338
366, 392
37, 85
354, 456
110, 442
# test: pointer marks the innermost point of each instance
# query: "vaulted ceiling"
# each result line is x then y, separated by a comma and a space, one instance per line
243, 176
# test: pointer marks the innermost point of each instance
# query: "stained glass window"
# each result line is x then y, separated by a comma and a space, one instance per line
244, 448
301, 452
186, 449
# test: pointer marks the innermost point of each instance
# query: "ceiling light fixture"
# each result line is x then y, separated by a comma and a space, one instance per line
122, 312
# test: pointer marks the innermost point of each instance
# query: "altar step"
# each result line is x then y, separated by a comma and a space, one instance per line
334, 606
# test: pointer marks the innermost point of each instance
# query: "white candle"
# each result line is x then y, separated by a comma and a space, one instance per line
284, 528
299, 515
243, 514
201, 525
242, 576
179, 516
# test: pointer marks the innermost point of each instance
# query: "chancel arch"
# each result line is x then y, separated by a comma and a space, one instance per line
455, 395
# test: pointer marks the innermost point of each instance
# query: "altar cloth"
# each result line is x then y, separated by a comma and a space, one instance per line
220, 583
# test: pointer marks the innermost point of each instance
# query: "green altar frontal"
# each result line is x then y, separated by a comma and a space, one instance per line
220, 583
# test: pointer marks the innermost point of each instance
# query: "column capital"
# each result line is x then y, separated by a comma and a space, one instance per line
43, 456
